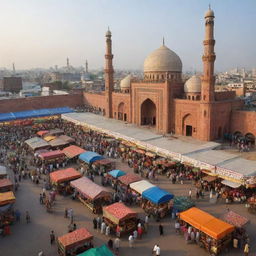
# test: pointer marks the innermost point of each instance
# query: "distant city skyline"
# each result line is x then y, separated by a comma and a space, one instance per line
44, 33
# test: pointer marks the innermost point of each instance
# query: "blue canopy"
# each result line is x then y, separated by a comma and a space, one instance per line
6, 117
90, 157
116, 173
157, 195
34, 113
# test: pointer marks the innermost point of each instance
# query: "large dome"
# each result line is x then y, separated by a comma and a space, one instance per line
193, 84
163, 60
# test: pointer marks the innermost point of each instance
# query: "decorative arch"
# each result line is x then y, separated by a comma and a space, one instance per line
148, 112
238, 134
187, 125
120, 111
250, 138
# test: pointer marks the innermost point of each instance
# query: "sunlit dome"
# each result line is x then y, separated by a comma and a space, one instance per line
126, 82
193, 84
163, 60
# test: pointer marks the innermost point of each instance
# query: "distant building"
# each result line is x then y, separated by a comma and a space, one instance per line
11, 84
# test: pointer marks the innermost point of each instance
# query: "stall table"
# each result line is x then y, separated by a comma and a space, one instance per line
74, 242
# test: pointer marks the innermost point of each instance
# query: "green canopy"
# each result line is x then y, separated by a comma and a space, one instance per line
182, 203
98, 251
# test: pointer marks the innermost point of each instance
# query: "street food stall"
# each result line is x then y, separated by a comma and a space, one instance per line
37, 143
235, 219
215, 234
128, 178
119, 215
49, 138
104, 165
156, 201
7, 199
74, 242
90, 157
72, 151
67, 139
3, 172
251, 204
52, 156
5, 185
98, 251
114, 174
91, 194
61, 179
55, 132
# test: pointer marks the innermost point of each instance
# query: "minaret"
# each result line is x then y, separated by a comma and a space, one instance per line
13, 69
109, 71
68, 63
208, 79
86, 66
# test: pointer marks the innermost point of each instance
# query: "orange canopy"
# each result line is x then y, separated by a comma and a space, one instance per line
64, 175
207, 223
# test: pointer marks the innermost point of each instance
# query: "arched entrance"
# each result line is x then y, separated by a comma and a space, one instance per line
120, 112
187, 124
237, 135
250, 139
148, 113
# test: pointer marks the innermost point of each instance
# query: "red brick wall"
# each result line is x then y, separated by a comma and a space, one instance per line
96, 100
244, 122
29, 103
118, 98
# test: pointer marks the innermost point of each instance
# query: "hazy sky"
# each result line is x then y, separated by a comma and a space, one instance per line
42, 33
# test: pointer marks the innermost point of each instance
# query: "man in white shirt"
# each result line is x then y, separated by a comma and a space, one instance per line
157, 250
131, 240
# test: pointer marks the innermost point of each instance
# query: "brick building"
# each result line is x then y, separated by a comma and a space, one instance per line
11, 84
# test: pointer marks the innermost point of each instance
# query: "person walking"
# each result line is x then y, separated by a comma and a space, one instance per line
108, 230
161, 229
94, 221
117, 245
131, 241
156, 250
103, 227
246, 249
52, 237
41, 200
27, 217
190, 193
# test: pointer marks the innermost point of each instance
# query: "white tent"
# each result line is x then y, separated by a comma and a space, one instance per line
231, 184
140, 186
3, 170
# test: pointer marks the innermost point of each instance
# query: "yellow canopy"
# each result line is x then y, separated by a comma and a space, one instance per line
207, 223
49, 138
7, 198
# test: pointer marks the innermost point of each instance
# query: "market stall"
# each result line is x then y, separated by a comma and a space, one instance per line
36, 143
49, 138
182, 203
67, 139
104, 165
140, 186
116, 173
73, 151
55, 132
5, 185
98, 251
58, 143
7, 198
61, 179
3, 172
215, 234
251, 204
128, 178
74, 242
91, 194
156, 201
90, 157
118, 215
42, 133
235, 219
52, 156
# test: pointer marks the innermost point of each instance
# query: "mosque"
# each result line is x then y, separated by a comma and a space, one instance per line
161, 99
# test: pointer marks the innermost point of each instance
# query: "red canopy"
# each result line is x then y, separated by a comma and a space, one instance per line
75, 238
5, 183
73, 151
89, 189
129, 178
64, 175
42, 133
118, 212
51, 154
103, 162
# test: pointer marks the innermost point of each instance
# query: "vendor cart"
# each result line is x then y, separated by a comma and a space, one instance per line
74, 242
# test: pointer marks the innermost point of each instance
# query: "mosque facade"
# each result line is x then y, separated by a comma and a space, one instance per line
163, 101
